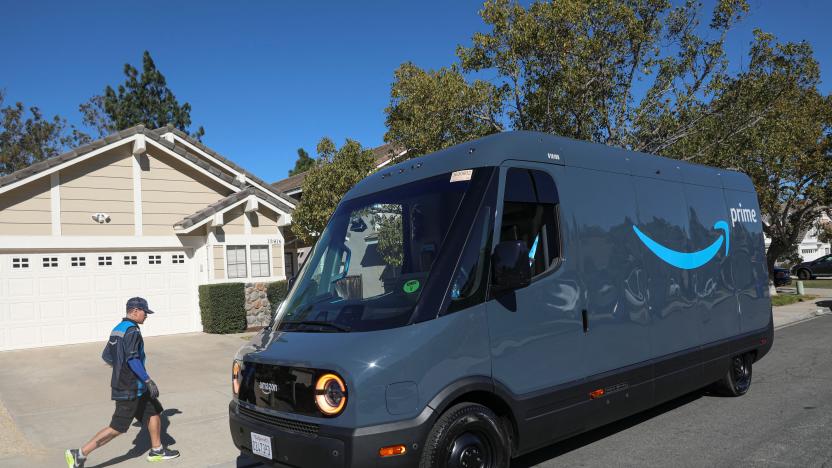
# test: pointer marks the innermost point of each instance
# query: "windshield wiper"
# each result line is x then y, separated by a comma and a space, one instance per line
318, 322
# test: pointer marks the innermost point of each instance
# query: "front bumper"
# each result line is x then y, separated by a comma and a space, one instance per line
331, 446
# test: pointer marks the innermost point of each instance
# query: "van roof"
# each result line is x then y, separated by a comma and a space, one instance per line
494, 150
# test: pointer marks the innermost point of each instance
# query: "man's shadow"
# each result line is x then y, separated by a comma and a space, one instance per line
141, 443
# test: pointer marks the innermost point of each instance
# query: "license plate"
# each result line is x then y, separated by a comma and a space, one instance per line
261, 445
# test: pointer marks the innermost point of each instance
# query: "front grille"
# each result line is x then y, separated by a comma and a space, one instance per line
283, 423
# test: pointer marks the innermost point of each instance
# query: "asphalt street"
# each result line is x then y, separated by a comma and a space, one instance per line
784, 420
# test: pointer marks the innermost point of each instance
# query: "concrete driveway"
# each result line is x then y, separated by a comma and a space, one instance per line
57, 398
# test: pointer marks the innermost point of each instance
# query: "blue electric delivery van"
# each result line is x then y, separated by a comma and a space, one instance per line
484, 301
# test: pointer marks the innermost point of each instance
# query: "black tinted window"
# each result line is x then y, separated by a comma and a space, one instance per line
530, 214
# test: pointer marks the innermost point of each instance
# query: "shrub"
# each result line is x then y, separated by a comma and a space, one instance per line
222, 307
276, 292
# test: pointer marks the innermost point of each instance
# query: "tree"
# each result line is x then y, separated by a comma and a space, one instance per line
141, 99
27, 139
335, 172
772, 123
431, 110
572, 68
303, 163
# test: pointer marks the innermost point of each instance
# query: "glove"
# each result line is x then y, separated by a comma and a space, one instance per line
152, 389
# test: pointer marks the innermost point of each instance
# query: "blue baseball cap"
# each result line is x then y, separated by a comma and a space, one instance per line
138, 303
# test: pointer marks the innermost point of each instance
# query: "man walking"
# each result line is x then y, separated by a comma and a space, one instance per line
135, 393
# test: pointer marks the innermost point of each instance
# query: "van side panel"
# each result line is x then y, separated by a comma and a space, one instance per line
748, 260
612, 271
711, 283
662, 216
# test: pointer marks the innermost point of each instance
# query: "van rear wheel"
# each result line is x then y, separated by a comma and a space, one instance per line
737, 380
468, 435
804, 274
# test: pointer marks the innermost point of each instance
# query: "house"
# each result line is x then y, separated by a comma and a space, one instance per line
292, 186
142, 212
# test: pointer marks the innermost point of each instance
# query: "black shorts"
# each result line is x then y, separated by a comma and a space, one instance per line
139, 409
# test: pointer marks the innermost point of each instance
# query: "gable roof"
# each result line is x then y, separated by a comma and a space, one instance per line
222, 159
195, 220
75, 155
382, 156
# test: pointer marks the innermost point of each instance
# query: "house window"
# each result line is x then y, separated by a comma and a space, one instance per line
50, 262
20, 263
105, 260
177, 258
260, 260
154, 259
79, 261
809, 251
130, 260
236, 261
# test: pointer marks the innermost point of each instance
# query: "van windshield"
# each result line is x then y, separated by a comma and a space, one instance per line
368, 269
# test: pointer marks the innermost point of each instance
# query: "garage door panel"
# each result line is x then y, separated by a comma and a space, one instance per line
53, 311
131, 283
24, 337
85, 331
55, 334
22, 312
105, 283
79, 285
21, 287
155, 282
51, 286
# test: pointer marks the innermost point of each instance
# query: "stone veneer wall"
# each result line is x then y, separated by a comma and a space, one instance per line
258, 309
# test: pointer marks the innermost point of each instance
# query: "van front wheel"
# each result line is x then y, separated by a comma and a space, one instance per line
468, 435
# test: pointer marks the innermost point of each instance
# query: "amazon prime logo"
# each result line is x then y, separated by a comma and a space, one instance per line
688, 260
743, 215
268, 387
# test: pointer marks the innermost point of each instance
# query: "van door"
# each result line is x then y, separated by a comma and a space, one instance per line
536, 332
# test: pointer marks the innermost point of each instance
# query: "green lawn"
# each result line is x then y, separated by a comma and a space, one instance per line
786, 299
815, 283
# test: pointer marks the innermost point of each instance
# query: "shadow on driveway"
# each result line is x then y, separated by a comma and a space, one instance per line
141, 444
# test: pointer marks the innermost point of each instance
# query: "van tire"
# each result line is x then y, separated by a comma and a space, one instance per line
466, 431
737, 379
804, 274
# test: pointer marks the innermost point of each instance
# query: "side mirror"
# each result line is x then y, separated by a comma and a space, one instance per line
510, 266
290, 282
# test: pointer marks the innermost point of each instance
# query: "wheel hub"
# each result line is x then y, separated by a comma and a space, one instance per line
469, 451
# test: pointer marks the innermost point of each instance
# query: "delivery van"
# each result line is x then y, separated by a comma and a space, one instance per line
478, 303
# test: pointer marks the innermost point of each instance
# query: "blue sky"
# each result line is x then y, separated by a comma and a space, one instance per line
265, 78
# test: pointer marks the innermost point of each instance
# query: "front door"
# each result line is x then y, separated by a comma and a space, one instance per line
537, 331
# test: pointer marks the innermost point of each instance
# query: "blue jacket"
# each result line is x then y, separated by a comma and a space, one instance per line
125, 343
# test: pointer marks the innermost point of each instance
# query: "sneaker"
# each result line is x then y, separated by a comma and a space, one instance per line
162, 455
74, 459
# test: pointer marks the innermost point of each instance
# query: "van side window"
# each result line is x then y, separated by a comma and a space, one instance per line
530, 214
469, 283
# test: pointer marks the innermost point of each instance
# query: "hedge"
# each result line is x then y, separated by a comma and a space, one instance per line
276, 291
222, 307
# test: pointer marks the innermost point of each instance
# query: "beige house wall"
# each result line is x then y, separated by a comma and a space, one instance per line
27, 210
219, 262
103, 184
264, 221
233, 221
171, 190
277, 260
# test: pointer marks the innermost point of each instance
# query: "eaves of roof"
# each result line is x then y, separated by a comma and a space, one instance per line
220, 205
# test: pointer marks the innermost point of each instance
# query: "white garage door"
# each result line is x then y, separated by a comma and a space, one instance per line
49, 299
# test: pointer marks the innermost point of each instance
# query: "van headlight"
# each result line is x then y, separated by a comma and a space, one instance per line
236, 370
330, 394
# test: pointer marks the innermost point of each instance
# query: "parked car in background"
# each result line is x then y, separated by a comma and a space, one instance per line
818, 267
782, 276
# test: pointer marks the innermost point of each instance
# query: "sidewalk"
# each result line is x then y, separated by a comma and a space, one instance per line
800, 311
